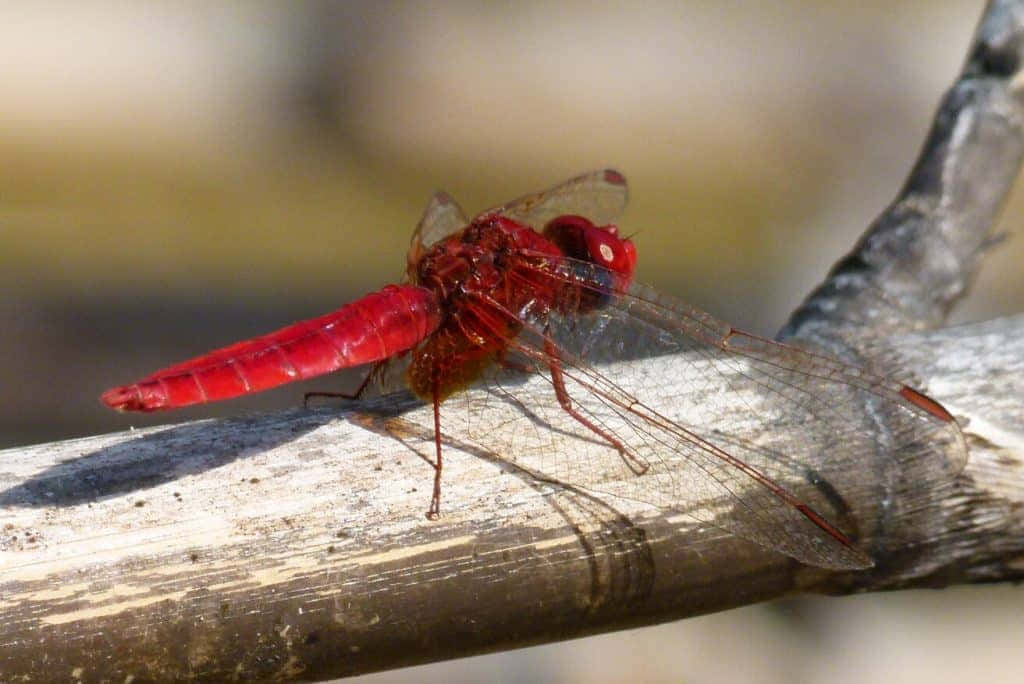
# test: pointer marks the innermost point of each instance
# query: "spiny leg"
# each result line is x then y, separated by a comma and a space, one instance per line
562, 394
434, 512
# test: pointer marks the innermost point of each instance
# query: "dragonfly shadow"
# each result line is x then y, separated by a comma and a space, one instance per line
622, 570
160, 457
621, 561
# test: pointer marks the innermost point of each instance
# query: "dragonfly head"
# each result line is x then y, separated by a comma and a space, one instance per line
579, 238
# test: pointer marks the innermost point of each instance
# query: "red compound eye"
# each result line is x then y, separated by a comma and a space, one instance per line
579, 238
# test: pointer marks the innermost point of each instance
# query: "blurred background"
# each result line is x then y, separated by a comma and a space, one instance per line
178, 176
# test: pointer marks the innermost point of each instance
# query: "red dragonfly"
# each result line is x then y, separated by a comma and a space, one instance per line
542, 287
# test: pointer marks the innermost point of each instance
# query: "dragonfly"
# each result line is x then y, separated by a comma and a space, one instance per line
542, 287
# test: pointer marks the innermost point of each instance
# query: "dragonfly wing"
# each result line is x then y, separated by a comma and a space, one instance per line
775, 444
442, 217
601, 196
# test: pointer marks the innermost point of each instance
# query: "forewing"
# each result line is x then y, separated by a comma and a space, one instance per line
599, 196
777, 445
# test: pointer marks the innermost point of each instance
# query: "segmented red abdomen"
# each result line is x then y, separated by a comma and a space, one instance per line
375, 327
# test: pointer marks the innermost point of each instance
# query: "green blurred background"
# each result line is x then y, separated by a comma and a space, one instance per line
178, 176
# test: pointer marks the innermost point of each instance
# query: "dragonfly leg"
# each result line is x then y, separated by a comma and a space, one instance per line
344, 395
434, 512
565, 401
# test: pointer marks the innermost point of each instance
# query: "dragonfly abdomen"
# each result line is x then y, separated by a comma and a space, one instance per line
375, 327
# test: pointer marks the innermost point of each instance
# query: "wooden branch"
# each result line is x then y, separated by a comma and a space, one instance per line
294, 546
919, 257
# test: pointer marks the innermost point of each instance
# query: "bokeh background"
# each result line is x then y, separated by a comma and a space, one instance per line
176, 176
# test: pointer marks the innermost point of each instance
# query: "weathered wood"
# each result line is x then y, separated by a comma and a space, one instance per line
918, 258
294, 546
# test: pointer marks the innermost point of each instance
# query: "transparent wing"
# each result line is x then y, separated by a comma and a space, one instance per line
773, 443
442, 217
601, 196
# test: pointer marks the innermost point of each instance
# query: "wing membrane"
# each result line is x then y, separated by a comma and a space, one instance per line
601, 196
770, 442
442, 217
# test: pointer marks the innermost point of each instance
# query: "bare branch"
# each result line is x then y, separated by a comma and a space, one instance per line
295, 544
918, 258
